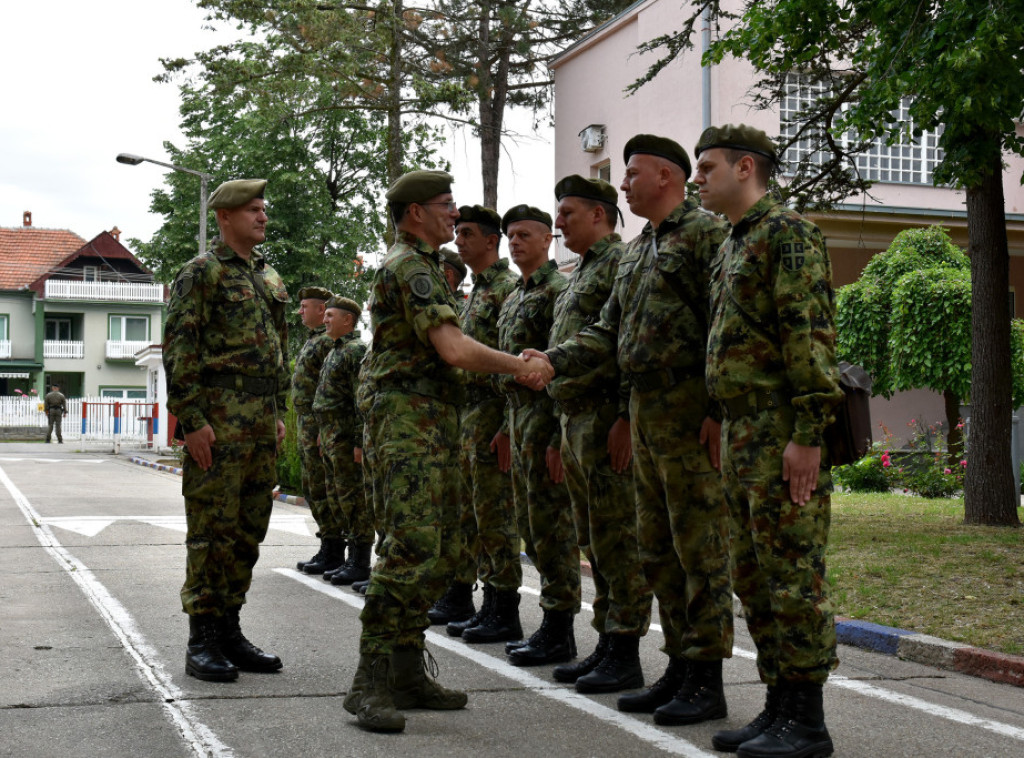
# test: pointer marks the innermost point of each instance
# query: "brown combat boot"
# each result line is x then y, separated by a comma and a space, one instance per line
415, 685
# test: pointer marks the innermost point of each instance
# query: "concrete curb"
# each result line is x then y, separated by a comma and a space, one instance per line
902, 643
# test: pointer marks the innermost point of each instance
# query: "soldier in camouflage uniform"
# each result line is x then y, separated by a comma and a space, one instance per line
488, 517
543, 510
656, 322
413, 423
55, 406
225, 343
596, 451
341, 437
771, 364
330, 529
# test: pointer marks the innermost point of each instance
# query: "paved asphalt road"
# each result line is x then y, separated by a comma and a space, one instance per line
92, 645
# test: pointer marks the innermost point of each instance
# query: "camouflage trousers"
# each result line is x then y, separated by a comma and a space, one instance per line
370, 490
314, 477
227, 508
778, 551
682, 521
55, 419
415, 439
345, 492
604, 508
488, 517
543, 510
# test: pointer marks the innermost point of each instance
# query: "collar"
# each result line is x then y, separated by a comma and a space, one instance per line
419, 246
491, 272
754, 214
540, 275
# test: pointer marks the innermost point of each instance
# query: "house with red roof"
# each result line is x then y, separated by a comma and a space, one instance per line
74, 313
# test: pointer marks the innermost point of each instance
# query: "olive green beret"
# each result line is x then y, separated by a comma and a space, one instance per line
663, 147
236, 192
524, 213
417, 186
315, 293
337, 301
452, 258
478, 214
592, 189
737, 137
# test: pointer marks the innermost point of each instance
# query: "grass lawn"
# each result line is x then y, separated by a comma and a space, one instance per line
910, 562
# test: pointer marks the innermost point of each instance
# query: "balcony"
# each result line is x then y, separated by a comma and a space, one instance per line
63, 349
125, 349
5, 348
111, 292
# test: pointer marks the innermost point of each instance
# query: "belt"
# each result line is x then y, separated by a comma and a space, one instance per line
253, 385
662, 378
752, 403
584, 403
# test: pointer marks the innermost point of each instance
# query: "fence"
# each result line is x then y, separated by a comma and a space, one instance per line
96, 419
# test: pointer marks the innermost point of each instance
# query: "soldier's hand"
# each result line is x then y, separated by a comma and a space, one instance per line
199, 444
620, 446
800, 466
541, 372
280, 432
555, 470
711, 435
357, 455
501, 445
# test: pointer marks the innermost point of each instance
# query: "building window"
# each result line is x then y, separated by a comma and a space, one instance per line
90, 274
5, 333
906, 162
58, 329
129, 328
603, 171
123, 393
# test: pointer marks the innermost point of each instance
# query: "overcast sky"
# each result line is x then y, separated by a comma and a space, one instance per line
77, 89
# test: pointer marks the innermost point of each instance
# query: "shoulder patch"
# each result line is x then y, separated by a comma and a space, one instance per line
421, 284
792, 255
184, 284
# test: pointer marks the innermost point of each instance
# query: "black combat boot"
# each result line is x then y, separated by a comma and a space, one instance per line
658, 693
331, 557
501, 624
729, 741
317, 556
570, 672
237, 649
204, 658
701, 698
619, 669
359, 568
553, 642
360, 587
370, 697
456, 628
341, 565
456, 604
798, 730
414, 686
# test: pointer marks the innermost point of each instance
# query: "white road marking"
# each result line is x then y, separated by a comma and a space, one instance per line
200, 739
90, 526
53, 460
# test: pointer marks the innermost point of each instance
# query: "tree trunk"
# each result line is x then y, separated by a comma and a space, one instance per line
492, 96
954, 434
394, 111
989, 496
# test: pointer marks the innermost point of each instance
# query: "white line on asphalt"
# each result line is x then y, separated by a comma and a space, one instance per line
201, 740
668, 742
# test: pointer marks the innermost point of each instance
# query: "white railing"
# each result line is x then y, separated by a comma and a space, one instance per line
100, 423
121, 292
125, 348
63, 349
5, 348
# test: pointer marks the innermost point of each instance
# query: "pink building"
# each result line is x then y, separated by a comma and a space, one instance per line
594, 119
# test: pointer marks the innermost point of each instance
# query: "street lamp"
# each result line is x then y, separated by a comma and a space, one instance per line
135, 160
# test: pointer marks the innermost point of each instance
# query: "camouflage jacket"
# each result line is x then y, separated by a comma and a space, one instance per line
480, 314
55, 402
657, 314
335, 397
307, 369
579, 305
773, 324
226, 315
409, 297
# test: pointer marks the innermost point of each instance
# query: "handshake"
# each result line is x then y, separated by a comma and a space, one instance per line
538, 371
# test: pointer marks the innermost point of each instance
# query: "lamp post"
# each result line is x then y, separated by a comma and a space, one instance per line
135, 160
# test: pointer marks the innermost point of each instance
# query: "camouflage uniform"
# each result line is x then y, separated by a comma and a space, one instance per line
341, 430
658, 335
771, 363
226, 326
413, 422
314, 475
543, 510
55, 406
493, 510
603, 501
364, 401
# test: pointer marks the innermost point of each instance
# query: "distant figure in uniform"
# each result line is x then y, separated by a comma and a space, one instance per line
771, 364
225, 343
55, 406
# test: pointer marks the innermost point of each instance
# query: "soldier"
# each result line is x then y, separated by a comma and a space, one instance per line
543, 510
771, 364
454, 271
341, 437
225, 343
55, 406
488, 518
330, 529
655, 321
596, 451
413, 424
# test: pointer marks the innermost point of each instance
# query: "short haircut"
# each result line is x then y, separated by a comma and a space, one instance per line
763, 166
611, 212
487, 230
398, 211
